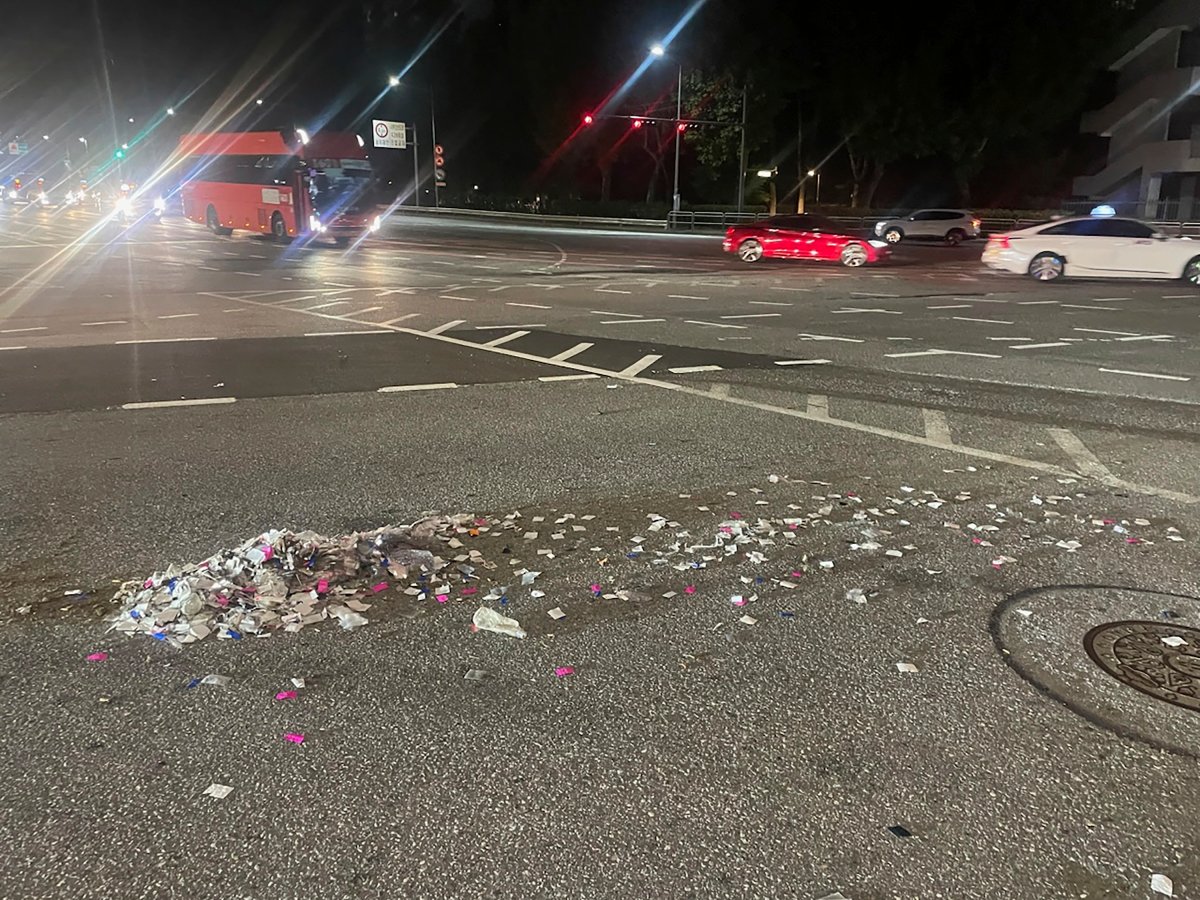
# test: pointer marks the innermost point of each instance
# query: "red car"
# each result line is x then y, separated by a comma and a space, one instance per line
802, 237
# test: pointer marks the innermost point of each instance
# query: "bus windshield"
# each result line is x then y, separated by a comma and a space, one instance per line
341, 185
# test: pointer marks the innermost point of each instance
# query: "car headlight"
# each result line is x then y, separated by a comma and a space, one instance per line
878, 245
160, 205
376, 223
314, 224
12, 195
124, 205
42, 198
879, 226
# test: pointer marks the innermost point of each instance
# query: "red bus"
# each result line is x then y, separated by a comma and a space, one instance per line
260, 181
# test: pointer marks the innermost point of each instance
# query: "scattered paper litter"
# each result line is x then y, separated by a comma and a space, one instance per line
748, 620
557, 613
216, 680
1174, 641
218, 791
906, 667
99, 656
293, 737
564, 671
475, 675
858, 595
486, 619
1161, 884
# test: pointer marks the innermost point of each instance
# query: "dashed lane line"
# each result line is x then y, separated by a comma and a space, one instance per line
529, 305
1103, 331
180, 316
108, 322
937, 352
343, 333
174, 340
856, 310
769, 303
572, 351
505, 338
405, 388
1036, 302
605, 312
1039, 346
685, 297
1145, 337
629, 321
580, 376
830, 337
937, 428
165, 404
446, 326
1084, 459
801, 362
984, 321
510, 327
724, 394
715, 324
14, 348
20, 330
1157, 375
688, 370
610, 291
951, 306
754, 316
456, 297
1085, 306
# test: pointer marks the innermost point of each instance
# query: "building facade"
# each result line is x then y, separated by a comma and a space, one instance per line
1152, 124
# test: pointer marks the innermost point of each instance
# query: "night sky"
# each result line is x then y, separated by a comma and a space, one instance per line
511, 79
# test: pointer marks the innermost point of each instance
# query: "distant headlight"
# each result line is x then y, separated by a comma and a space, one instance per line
878, 245
42, 198
160, 205
124, 205
12, 195
376, 223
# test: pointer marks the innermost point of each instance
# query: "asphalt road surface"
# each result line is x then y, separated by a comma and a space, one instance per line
999, 466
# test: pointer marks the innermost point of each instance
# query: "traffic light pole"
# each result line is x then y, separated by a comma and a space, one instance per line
416, 170
433, 134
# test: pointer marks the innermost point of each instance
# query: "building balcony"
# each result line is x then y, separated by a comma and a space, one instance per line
1150, 159
1162, 89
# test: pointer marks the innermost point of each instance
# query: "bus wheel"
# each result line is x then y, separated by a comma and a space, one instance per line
214, 224
342, 241
278, 228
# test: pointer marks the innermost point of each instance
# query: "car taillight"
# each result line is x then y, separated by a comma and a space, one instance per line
1001, 240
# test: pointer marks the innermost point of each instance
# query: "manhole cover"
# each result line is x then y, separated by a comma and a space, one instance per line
1156, 658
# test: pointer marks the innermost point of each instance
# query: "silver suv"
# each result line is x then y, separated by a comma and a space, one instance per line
950, 225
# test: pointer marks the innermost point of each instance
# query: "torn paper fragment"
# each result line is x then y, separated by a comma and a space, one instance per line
858, 595
475, 675
1161, 884
557, 613
99, 656
748, 620
1174, 641
216, 680
564, 671
218, 791
293, 737
906, 667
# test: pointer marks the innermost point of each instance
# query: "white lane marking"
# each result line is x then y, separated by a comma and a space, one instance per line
35, 328
851, 310
239, 310
797, 290
1145, 337
830, 337
1085, 461
687, 370
719, 393
629, 321
1179, 296
610, 291
509, 327
952, 306
936, 426
605, 312
340, 333
754, 316
1007, 338
15, 348
573, 351
685, 297
402, 318
1102, 331
399, 388
715, 324
1109, 299
1085, 306
446, 326
818, 406
900, 339
1039, 346
642, 364
164, 340
801, 362
1036, 302
768, 303
984, 321
295, 300
529, 305
455, 297
936, 352
108, 322
1146, 374
865, 294
581, 376
161, 404
351, 315
327, 305
180, 316
249, 274
505, 338
337, 284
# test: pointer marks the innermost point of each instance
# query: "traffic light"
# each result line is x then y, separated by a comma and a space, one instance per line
120, 154
637, 123
681, 127
588, 118
439, 163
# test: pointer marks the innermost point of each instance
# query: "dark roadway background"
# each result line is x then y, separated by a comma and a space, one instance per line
690, 755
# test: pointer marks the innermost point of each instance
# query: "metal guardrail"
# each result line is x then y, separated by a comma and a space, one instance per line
536, 218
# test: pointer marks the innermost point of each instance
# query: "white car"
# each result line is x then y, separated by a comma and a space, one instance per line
1093, 246
950, 225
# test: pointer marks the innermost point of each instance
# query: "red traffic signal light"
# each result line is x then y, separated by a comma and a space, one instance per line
439, 161
682, 126
588, 119
638, 123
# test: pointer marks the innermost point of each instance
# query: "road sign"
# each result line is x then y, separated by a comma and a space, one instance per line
389, 134
17, 149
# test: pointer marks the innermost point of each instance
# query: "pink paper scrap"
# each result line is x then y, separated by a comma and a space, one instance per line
322, 585
97, 657
564, 671
294, 737
382, 586
690, 589
286, 695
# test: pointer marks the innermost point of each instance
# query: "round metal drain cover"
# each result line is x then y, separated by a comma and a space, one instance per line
1156, 658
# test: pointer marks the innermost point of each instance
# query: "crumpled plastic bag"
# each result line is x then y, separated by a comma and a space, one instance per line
486, 619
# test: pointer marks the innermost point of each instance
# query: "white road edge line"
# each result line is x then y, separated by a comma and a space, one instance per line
801, 362
164, 340
788, 412
581, 376
642, 364
162, 404
341, 333
1085, 460
401, 388
1039, 346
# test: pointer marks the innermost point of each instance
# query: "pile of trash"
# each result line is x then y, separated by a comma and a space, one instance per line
287, 580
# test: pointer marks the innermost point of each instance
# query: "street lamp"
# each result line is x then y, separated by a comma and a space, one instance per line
659, 51
170, 110
84, 141
817, 173
394, 82
258, 102
45, 137
131, 120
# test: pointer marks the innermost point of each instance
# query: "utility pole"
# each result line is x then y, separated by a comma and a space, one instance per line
433, 146
678, 135
800, 158
416, 169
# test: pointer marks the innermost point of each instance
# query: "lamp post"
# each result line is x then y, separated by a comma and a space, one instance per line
394, 82
817, 173
659, 51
